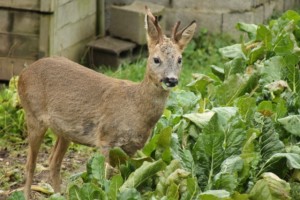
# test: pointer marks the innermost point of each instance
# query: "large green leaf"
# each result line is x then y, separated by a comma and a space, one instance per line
251, 29
291, 123
238, 196
291, 72
257, 53
215, 195
228, 177
209, 152
295, 190
226, 181
18, 195
292, 159
151, 145
160, 143
283, 44
264, 34
234, 66
235, 86
272, 70
248, 150
222, 137
192, 189
114, 186
186, 158
269, 140
233, 51
163, 180
200, 119
173, 180
129, 194
181, 101
247, 108
117, 156
146, 171
292, 15
172, 191
165, 138
88, 191
271, 187
225, 114
200, 84
56, 196
96, 168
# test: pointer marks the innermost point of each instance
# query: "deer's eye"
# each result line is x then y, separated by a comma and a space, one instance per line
179, 60
156, 60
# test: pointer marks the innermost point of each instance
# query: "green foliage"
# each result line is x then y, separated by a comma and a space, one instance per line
232, 133
270, 187
134, 71
16, 196
11, 115
140, 175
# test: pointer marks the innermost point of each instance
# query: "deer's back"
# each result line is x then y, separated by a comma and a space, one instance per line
76, 101
57, 82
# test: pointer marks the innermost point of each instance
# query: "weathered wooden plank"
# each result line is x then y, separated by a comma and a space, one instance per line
26, 22
45, 36
10, 67
31, 29
19, 22
21, 46
21, 4
4, 20
47, 5
33, 5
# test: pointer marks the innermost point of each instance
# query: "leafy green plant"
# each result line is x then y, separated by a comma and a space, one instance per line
11, 114
232, 133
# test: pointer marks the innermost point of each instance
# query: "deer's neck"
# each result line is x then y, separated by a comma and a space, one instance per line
152, 99
153, 90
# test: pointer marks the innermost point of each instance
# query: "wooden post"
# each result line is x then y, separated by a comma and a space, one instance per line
100, 21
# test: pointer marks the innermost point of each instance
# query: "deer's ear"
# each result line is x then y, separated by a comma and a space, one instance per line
154, 33
184, 36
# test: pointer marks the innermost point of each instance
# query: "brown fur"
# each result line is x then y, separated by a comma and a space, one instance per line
89, 108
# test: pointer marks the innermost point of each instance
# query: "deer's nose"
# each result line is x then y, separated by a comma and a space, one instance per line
170, 81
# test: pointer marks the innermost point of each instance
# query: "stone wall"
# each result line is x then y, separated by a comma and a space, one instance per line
221, 16
73, 26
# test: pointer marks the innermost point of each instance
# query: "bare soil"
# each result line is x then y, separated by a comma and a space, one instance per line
12, 166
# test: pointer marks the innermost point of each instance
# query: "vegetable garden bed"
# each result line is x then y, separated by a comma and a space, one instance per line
231, 133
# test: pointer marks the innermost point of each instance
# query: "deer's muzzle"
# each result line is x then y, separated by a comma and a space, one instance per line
170, 81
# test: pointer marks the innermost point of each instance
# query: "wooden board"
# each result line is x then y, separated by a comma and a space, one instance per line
21, 22
20, 33
19, 46
10, 67
45, 34
33, 5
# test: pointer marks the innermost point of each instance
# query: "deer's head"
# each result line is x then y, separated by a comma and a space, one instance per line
165, 54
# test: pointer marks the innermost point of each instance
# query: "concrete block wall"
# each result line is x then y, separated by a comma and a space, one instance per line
221, 16
73, 27
128, 21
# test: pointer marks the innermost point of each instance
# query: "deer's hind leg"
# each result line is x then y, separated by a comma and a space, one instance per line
55, 160
36, 131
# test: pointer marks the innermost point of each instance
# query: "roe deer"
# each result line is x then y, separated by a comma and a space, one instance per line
89, 108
